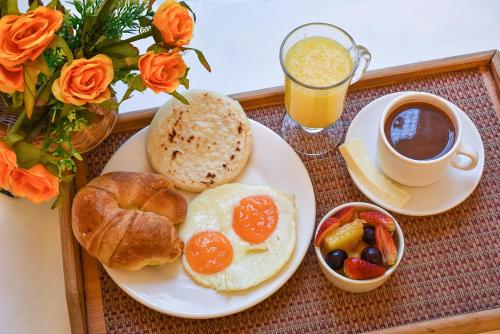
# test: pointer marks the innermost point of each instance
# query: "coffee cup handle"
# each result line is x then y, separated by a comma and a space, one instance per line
364, 60
470, 153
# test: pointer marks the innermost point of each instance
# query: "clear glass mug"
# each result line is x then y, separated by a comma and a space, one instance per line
313, 122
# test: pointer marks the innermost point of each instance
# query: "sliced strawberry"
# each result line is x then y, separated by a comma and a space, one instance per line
342, 217
375, 218
386, 245
357, 268
345, 215
328, 225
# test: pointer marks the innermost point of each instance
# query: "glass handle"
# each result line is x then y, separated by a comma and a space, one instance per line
364, 60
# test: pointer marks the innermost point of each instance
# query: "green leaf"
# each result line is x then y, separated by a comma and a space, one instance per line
201, 58
127, 95
11, 139
30, 77
33, 5
44, 92
145, 21
157, 35
158, 48
29, 155
53, 4
179, 97
88, 24
101, 40
104, 41
78, 6
59, 42
107, 7
52, 168
109, 105
79, 54
122, 49
9, 7
127, 62
136, 83
185, 5
39, 64
184, 82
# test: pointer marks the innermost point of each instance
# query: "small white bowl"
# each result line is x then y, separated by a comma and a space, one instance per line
357, 286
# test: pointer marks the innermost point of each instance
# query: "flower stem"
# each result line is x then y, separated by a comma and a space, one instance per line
18, 123
146, 34
37, 127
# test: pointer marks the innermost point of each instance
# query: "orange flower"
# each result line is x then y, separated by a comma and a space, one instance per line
85, 81
24, 37
174, 23
161, 71
11, 79
36, 184
8, 163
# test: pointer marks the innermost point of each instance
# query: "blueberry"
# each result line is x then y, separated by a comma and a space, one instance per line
372, 254
335, 259
369, 235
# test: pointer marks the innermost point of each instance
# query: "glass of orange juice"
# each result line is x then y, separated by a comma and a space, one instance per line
320, 61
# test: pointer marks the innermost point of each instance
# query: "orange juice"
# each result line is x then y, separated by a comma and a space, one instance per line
317, 62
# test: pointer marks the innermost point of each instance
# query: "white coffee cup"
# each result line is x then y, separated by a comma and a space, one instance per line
417, 173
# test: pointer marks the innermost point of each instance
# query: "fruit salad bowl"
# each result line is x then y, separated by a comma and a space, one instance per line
358, 245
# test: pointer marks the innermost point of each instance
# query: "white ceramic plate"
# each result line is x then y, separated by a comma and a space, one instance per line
438, 197
168, 289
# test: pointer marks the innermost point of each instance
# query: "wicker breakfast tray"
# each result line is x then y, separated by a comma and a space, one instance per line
448, 281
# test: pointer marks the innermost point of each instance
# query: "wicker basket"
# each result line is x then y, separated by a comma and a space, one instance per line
83, 141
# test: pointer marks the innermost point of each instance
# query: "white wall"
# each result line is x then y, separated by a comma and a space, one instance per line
241, 40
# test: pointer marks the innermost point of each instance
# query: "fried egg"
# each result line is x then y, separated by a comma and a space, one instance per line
237, 236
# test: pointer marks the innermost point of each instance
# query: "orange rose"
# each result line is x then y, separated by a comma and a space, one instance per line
24, 37
161, 71
174, 23
85, 81
11, 79
36, 184
8, 163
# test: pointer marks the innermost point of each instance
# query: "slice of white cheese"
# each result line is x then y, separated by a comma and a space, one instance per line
357, 160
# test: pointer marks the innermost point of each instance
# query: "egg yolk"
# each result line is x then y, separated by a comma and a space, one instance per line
255, 218
209, 252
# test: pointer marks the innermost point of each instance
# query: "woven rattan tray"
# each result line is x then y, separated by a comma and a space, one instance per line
448, 281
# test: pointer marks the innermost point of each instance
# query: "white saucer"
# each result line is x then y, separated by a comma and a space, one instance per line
436, 198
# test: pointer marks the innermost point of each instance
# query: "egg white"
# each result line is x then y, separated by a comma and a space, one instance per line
252, 263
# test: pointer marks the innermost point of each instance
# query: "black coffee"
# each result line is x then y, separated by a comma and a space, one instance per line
420, 131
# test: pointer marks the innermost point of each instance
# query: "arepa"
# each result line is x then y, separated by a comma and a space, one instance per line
201, 145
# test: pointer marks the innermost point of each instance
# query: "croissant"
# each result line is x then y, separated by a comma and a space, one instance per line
126, 220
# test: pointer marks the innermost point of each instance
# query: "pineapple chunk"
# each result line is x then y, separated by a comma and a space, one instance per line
345, 237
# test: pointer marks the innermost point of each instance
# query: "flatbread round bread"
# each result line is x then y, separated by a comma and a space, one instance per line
201, 145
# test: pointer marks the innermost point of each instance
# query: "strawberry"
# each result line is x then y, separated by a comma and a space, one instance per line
328, 226
357, 268
340, 218
375, 218
385, 244
345, 215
